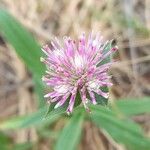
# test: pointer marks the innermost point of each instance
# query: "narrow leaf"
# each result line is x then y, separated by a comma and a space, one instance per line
132, 106
120, 129
36, 118
23, 146
24, 44
70, 136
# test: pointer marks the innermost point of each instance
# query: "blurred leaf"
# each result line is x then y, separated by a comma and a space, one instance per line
70, 136
23, 146
140, 27
132, 106
5, 142
36, 118
122, 130
4, 139
39, 89
48, 133
132, 22
24, 44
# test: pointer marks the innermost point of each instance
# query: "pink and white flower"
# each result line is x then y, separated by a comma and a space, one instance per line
74, 66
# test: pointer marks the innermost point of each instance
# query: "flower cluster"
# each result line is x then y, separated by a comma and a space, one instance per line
75, 67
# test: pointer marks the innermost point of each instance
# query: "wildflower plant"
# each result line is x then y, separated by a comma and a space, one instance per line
76, 67
77, 73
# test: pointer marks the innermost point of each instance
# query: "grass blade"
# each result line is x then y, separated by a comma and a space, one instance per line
24, 44
132, 106
34, 119
122, 130
70, 135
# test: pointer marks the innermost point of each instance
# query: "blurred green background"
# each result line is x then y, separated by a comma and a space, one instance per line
27, 122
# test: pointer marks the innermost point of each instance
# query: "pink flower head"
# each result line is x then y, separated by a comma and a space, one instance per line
75, 66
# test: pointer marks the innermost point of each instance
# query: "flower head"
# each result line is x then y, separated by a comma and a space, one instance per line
75, 67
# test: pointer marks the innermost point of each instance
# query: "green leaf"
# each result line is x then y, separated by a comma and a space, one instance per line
24, 44
70, 136
132, 106
100, 99
39, 89
4, 138
37, 118
78, 100
120, 129
23, 146
48, 133
107, 47
5, 142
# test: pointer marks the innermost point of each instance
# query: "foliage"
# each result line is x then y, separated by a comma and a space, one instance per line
113, 119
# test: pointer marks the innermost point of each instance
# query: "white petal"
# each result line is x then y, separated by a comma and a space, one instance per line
78, 61
62, 88
93, 84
